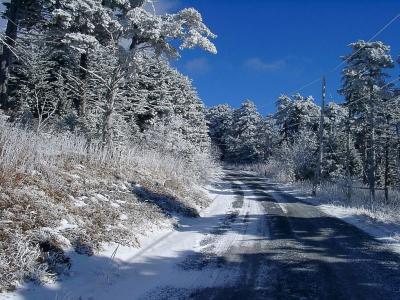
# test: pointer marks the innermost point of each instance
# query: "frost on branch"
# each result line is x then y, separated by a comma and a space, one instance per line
195, 32
186, 26
19, 260
86, 23
80, 42
62, 18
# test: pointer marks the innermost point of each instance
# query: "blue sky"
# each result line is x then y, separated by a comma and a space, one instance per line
270, 47
267, 48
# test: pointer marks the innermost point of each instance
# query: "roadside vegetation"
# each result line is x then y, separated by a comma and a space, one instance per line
58, 193
102, 141
336, 193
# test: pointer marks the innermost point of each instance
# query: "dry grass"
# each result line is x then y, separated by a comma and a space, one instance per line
61, 191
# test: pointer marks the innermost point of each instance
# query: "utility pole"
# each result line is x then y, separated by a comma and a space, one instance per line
387, 165
348, 154
318, 170
371, 154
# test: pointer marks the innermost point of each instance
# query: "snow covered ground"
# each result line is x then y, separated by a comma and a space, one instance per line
241, 244
128, 273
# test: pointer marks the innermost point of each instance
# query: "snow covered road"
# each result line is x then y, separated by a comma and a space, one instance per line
253, 242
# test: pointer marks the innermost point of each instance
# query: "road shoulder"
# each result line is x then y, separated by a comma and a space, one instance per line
386, 233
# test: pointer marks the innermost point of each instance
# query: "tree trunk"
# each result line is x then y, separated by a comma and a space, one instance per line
318, 171
387, 148
365, 155
82, 100
398, 154
108, 116
371, 152
7, 55
386, 174
107, 126
348, 156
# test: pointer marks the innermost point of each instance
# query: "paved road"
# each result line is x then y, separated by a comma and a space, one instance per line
265, 248
252, 242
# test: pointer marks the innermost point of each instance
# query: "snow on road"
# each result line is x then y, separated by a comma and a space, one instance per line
185, 258
384, 232
253, 242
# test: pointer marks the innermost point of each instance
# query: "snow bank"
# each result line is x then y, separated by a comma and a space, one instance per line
126, 272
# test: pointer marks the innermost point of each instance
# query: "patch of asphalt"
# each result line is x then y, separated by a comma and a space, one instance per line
201, 260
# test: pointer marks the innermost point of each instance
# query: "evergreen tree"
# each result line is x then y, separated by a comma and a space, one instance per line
363, 82
219, 120
39, 90
296, 114
21, 15
243, 145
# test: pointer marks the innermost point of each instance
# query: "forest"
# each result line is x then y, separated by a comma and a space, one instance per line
87, 86
91, 107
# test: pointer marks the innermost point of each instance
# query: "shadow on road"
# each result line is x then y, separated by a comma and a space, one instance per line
305, 255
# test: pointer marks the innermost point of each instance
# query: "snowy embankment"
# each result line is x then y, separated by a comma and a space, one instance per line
62, 202
127, 272
385, 232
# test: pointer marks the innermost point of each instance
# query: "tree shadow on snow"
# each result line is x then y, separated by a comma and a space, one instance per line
167, 203
324, 263
288, 257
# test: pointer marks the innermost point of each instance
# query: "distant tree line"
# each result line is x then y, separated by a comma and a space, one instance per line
361, 136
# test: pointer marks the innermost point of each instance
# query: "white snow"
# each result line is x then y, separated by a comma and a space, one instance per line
66, 225
101, 197
79, 203
116, 205
130, 273
123, 217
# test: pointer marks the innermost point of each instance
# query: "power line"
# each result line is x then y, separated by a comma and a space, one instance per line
381, 88
307, 85
348, 58
373, 37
